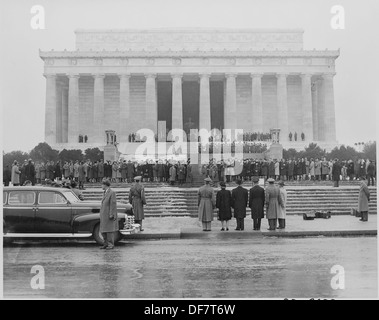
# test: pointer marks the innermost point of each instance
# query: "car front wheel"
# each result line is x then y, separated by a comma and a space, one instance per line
99, 237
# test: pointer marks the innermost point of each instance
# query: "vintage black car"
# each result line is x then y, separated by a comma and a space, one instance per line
48, 212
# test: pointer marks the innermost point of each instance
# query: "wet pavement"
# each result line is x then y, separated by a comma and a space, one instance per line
177, 227
195, 268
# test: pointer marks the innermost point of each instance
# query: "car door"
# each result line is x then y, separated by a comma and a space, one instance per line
19, 211
53, 213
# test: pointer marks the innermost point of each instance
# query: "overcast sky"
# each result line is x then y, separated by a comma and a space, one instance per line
23, 85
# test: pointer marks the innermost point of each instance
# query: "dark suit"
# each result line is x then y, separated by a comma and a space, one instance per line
240, 197
256, 203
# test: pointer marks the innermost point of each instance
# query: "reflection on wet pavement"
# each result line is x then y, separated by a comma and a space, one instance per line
230, 268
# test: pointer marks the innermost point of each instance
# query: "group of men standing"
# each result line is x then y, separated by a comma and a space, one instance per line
236, 201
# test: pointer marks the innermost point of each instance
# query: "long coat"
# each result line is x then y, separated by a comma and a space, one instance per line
108, 209
100, 170
312, 168
282, 208
324, 167
257, 202
364, 198
317, 168
137, 200
224, 204
336, 171
15, 176
290, 168
240, 197
172, 173
273, 201
82, 173
206, 202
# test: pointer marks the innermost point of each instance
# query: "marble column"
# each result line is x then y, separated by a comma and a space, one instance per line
51, 109
98, 134
205, 103
329, 108
307, 106
124, 123
282, 105
177, 102
73, 108
315, 109
256, 98
230, 109
59, 112
151, 111
321, 110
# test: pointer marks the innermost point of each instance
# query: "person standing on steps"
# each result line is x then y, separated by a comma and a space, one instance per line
206, 203
273, 201
240, 197
363, 200
108, 216
224, 206
282, 207
137, 200
256, 203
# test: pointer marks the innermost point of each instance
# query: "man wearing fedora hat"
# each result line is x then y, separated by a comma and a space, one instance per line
273, 201
108, 215
206, 203
240, 197
137, 200
256, 203
282, 208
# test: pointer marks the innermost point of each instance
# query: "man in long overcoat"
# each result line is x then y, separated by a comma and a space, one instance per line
172, 172
256, 203
15, 174
108, 216
224, 206
7, 175
30, 172
273, 201
137, 200
240, 198
100, 170
282, 213
336, 172
206, 203
363, 200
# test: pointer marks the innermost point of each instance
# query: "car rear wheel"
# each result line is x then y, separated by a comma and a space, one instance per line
99, 237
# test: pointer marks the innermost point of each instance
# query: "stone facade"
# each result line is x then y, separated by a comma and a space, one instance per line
112, 81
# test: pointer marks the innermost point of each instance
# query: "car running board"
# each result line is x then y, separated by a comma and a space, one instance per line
47, 235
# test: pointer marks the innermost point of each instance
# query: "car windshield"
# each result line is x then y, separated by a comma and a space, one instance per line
70, 196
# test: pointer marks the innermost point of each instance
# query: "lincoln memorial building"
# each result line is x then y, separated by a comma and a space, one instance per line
250, 79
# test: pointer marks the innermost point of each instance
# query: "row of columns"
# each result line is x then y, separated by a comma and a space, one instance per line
318, 122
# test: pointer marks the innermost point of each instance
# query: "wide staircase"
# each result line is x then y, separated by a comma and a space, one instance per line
167, 201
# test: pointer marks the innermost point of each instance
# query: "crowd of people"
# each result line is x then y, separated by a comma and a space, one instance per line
222, 147
180, 172
292, 169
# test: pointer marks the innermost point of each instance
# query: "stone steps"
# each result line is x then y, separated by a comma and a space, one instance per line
180, 202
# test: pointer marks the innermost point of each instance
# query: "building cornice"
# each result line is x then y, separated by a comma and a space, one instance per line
190, 54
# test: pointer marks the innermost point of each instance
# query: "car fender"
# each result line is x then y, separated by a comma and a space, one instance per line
87, 223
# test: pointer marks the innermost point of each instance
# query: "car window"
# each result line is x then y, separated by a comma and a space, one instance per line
4, 197
71, 196
21, 197
51, 198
